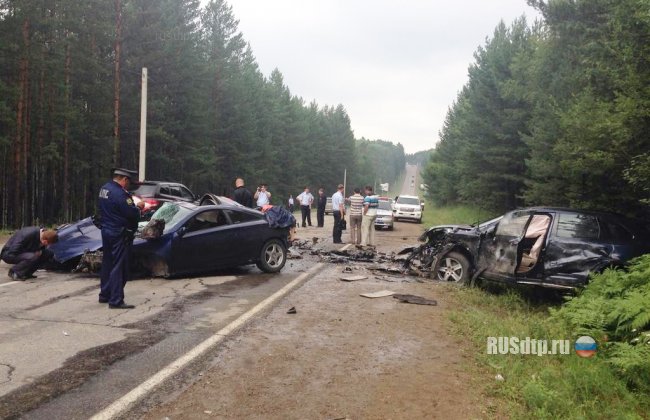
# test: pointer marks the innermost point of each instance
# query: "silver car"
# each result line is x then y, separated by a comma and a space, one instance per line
384, 218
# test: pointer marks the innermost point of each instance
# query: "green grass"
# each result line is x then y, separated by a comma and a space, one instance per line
453, 215
550, 386
545, 387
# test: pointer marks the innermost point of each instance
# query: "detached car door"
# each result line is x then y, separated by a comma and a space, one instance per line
499, 255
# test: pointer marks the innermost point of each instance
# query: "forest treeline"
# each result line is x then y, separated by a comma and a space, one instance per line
70, 78
554, 113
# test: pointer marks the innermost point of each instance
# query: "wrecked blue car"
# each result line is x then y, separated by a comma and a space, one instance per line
184, 238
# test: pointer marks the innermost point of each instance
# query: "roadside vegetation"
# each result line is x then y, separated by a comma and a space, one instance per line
614, 309
554, 113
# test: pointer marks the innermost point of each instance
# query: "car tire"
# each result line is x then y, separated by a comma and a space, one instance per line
420, 220
453, 267
272, 257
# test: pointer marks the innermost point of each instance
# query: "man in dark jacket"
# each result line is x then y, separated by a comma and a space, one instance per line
320, 211
26, 249
241, 194
119, 220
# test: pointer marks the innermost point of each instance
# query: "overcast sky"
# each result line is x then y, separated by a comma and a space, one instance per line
396, 66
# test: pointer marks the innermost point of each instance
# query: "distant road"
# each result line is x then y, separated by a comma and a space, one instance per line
409, 187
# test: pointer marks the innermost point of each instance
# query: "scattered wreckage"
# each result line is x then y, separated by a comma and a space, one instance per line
540, 246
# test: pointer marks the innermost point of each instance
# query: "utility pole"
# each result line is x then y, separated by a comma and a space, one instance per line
143, 127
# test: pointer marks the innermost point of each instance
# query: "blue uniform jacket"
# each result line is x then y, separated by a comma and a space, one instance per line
117, 210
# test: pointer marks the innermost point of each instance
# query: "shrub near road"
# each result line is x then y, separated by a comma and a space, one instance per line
615, 306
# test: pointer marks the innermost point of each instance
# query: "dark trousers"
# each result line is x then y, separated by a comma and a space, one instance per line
306, 214
28, 262
336, 232
115, 267
320, 216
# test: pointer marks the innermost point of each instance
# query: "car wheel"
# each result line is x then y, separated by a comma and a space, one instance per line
272, 257
420, 220
453, 267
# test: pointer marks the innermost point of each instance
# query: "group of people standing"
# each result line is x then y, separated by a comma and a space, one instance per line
363, 209
262, 196
363, 212
306, 201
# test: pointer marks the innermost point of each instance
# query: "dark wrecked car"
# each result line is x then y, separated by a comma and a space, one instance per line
549, 247
190, 238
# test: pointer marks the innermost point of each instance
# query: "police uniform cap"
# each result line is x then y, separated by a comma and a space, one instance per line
125, 172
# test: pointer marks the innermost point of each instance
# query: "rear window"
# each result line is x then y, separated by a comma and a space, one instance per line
144, 190
384, 205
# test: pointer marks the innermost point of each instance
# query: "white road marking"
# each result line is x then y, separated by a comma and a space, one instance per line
11, 282
120, 406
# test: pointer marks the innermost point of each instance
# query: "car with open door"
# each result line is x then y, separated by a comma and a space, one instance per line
548, 247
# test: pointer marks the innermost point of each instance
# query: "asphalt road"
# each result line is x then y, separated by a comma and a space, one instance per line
64, 355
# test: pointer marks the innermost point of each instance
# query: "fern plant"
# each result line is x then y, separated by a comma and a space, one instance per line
614, 309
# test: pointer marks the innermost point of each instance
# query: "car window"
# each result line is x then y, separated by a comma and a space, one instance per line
186, 194
513, 224
143, 190
384, 205
240, 216
615, 232
175, 191
206, 220
408, 200
579, 226
164, 189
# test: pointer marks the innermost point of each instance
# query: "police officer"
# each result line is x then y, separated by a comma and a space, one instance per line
119, 218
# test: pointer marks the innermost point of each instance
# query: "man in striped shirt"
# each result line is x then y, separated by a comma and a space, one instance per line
370, 205
356, 215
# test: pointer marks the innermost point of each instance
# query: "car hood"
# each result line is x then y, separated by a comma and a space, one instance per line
75, 239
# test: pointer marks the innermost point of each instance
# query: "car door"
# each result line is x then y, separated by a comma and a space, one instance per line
205, 243
498, 258
250, 233
575, 248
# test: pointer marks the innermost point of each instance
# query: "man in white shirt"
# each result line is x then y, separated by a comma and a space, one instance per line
262, 196
338, 210
305, 199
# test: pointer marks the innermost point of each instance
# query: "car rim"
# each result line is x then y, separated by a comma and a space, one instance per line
450, 270
274, 255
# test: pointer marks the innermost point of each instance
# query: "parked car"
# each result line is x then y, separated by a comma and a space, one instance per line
407, 207
328, 206
194, 239
384, 215
155, 193
548, 247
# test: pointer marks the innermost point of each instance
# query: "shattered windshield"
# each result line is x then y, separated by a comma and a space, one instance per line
172, 214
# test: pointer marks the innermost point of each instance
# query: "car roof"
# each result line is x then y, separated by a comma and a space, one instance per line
148, 182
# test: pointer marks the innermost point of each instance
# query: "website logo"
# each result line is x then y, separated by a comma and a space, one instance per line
585, 346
